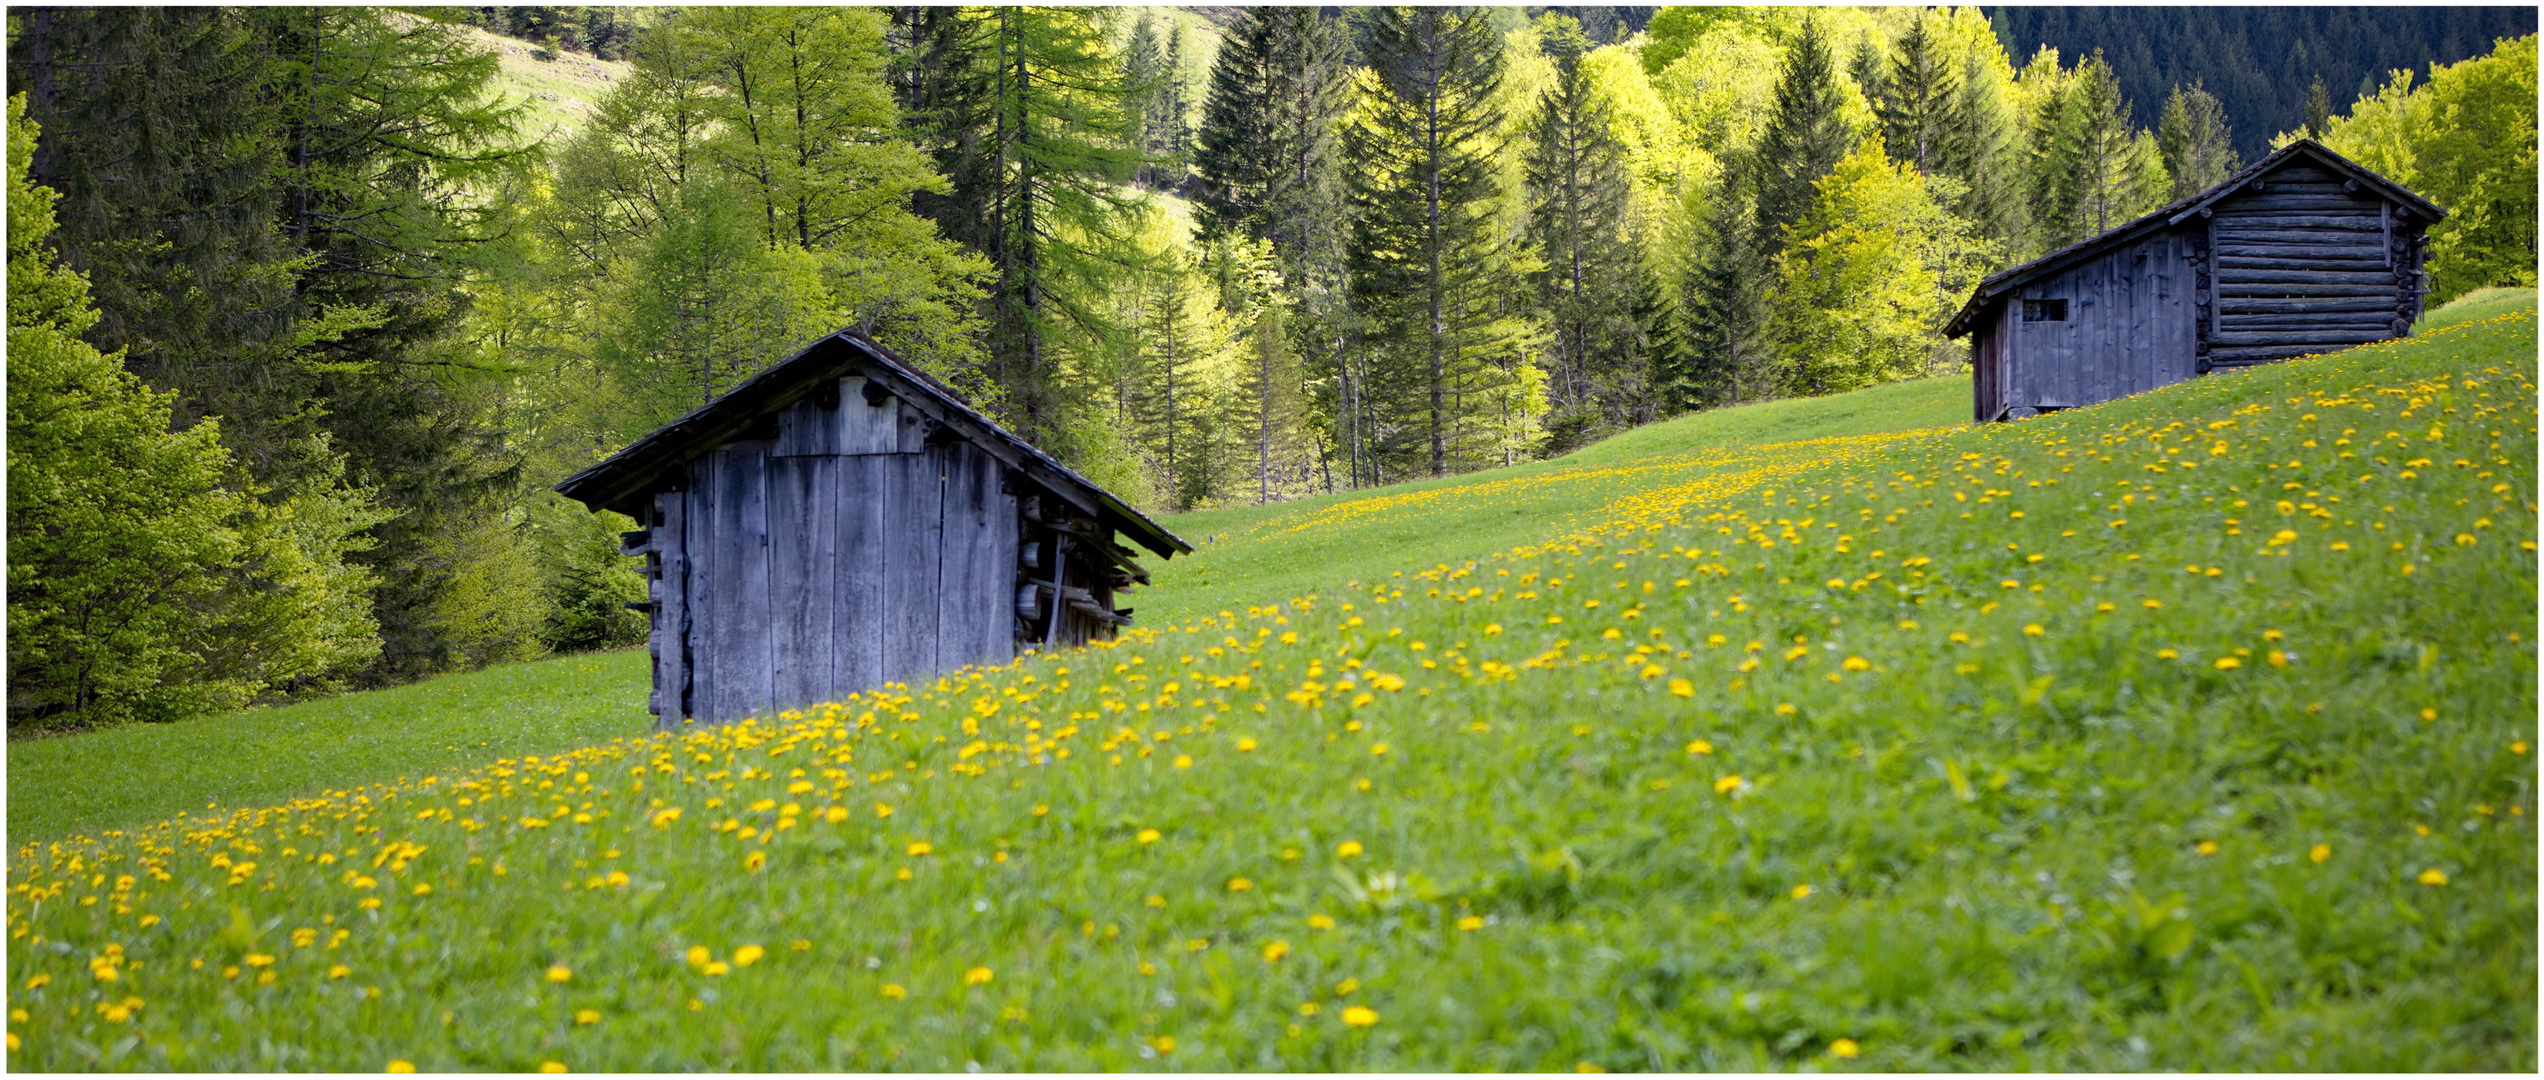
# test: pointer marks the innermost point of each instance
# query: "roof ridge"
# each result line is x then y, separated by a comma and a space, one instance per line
1988, 287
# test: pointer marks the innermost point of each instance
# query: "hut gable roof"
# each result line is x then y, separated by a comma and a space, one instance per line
2177, 212
623, 480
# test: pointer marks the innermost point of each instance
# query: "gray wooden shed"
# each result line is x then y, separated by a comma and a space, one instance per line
842, 521
2305, 251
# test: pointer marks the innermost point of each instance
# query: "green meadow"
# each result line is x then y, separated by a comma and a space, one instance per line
2189, 731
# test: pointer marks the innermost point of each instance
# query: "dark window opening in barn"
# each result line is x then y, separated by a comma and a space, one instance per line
2044, 311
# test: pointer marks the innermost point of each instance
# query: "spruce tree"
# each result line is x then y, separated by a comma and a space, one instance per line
1576, 175
2318, 109
2094, 172
145, 579
2199, 149
1269, 155
1805, 136
1152, 66
1423, 254
1917, 99
1981, 149
1727, 352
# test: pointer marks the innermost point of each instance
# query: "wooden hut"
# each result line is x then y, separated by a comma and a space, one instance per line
842, 521
2304, 252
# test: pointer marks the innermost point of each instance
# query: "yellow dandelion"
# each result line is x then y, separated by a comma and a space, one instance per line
559, 973
1471, 922
401, 1065
894, 992
979, 976
2320, 852
1347, 849
748, 955
1149, 836
919, 847
2433, 876
1700, 746
587, 1017
1726, 784
1844, 1048
1276, 950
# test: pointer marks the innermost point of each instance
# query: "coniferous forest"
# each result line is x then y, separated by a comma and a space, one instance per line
308, 307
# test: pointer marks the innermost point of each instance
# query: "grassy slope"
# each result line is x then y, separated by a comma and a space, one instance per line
1252, 554
265, 756
561, 93
1950, 810
61, 785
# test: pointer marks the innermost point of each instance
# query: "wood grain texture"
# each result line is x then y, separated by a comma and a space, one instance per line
802, 523
669, 640
739, 596
864, 428
914, 529
857, 592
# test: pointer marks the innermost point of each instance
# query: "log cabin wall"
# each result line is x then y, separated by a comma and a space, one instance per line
2309, 261
2303, 252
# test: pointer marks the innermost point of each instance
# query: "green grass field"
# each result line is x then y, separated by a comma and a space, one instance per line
2188, 731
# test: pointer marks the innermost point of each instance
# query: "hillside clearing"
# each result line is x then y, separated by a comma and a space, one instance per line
1246, 555
2189, 731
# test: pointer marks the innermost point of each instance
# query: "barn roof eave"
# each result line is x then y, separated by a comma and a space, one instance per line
621, 481
1997, 285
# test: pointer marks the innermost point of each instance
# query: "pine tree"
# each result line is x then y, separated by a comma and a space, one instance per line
1423, 254
1805, 136
1577, 183
2199, 149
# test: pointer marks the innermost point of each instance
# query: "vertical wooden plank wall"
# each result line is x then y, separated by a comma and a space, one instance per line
847, 552
669, 641
803, 533
914, 530
856, 592
977, 573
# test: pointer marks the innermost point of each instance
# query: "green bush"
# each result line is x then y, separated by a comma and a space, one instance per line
587, 584
147, 580
2466, 141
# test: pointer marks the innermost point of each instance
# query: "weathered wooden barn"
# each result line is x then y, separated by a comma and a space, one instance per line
2303, 252
843, 520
